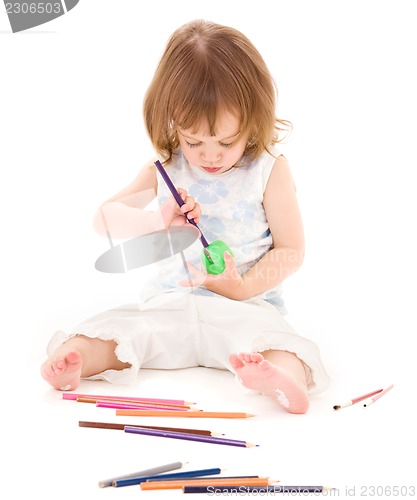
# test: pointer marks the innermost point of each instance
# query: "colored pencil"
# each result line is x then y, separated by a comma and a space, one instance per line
147, 472
255, 489
74, 396
187, 437
180, 202
187, 474
189, 414
179, 484
121, 427
221, 477
82, 399
356, 400
133, 406
375, 398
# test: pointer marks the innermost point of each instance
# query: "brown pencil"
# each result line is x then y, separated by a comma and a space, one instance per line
121, 427
185, 414
178, 484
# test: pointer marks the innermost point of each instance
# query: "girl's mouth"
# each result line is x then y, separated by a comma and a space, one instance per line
211, 170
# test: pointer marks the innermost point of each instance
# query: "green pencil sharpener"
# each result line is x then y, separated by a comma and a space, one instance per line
216, 251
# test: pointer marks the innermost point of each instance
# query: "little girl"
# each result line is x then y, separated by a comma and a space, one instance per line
210, 114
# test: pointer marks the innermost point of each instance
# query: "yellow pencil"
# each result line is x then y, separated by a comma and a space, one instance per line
186, 414
178, 484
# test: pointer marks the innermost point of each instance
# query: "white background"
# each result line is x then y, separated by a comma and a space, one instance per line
71, 135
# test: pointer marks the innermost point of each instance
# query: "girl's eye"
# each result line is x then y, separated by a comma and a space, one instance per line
225, 145
192, 145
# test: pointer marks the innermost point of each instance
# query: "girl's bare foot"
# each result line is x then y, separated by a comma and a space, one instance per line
63, 369
80, 357
259, 374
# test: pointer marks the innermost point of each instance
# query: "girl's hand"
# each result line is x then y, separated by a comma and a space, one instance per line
173, 214
229, 283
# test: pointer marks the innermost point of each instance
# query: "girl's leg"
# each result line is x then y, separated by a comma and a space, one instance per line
277, 374
79, 357
120, 341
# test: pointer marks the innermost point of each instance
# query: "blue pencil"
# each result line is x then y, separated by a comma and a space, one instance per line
176, 475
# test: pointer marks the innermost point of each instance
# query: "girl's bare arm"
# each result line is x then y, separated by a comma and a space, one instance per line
127, 214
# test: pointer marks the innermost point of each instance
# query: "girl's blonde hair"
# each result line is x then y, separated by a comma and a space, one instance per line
207, 67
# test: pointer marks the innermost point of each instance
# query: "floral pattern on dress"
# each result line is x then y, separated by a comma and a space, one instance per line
232, 211
244, 210
208, 191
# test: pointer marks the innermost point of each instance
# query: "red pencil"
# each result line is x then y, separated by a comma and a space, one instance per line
356, 400
375, 398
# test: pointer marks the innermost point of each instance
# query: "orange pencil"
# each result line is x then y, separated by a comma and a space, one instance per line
178, 484
189, 414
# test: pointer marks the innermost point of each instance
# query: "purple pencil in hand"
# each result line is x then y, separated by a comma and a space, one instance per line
178, 198
213, 253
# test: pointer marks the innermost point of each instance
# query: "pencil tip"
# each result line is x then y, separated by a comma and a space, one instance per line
336, 407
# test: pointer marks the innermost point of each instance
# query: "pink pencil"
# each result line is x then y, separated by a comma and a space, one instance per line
133, 406
356, 400
74, 396
375, 398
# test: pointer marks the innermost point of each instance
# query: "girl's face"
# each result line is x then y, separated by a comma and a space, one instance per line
214, 154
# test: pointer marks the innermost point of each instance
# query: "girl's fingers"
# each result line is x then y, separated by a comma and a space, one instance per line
189, 204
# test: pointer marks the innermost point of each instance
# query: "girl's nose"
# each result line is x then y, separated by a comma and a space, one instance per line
211, 155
